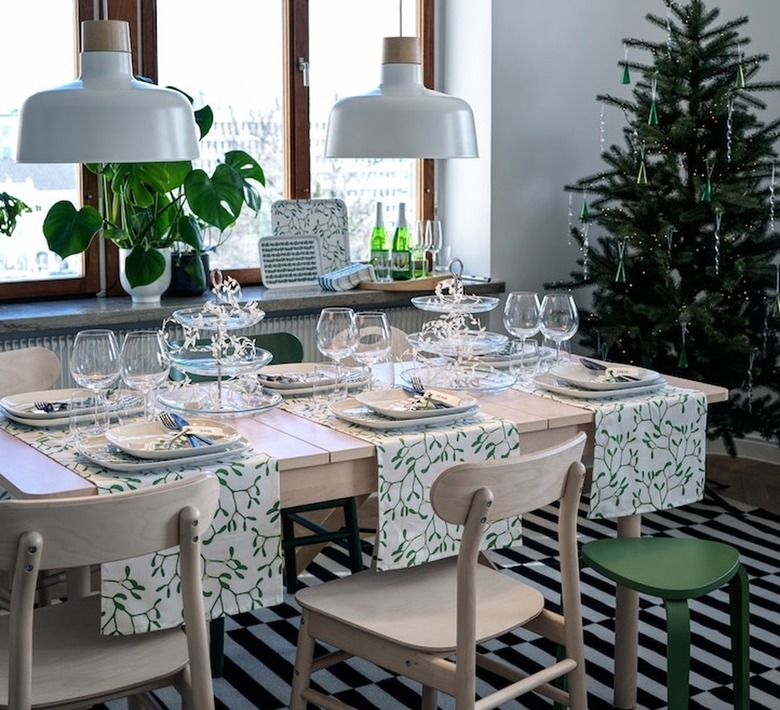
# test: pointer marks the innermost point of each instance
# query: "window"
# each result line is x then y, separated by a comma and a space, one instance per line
242, 58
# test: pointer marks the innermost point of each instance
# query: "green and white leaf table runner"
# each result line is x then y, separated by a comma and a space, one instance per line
648, 450
241, 551
408, 462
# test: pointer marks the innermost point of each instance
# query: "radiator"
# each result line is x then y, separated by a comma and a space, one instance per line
407, 319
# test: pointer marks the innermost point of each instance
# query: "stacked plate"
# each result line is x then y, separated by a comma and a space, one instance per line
399, 409
602, 380
152, 441
21, 407
306, 377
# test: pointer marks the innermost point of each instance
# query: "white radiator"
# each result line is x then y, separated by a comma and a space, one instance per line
407, 319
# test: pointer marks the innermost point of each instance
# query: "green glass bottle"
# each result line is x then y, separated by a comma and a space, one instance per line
380, 247
402, 252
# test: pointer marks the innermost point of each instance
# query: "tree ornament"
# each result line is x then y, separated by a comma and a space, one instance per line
585, 249
602, 142
652, 119
718, 218
729, 129
669, 29
641, 178
682, 361
571, 223
707, 194
584, 214
626, 78
776, 304
748, 385
669, 240
620, 276
772, 185
740, 82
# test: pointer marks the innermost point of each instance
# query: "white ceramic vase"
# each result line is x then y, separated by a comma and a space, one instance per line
148, 294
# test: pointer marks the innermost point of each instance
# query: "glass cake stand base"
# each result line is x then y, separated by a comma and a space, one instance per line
232, 398
460, 376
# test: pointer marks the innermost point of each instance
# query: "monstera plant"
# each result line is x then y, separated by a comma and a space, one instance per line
153, 206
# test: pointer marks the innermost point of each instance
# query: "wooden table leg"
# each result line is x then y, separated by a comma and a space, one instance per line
626, 628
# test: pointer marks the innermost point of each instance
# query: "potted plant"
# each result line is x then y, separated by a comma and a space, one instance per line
159, 206
11, 209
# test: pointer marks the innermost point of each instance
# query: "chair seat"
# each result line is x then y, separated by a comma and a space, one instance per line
671, 568
416, 606
81, 664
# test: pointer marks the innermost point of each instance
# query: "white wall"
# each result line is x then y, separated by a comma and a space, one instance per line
531, 70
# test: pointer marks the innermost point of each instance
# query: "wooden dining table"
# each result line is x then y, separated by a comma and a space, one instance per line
318, 463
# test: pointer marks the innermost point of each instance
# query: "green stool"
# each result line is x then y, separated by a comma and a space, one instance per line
676, 570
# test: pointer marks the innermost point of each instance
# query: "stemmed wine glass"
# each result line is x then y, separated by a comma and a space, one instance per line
337, 337
94, 364
433, 241
560, 319
373, 341
145, 363
522, 316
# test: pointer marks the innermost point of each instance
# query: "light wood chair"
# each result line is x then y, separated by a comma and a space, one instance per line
55, 656
27, 370
425, 622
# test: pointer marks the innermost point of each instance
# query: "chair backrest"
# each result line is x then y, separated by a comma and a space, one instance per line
27, 370
285, 347
477, 494
74, 532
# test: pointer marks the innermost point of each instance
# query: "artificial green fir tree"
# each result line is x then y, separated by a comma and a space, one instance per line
677, 234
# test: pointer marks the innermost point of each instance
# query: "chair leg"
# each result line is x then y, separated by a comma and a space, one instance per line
353, 529
290, 564
740, 637
304, 655
430, 698
217, 646
678, 653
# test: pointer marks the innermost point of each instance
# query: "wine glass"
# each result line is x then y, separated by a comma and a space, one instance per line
433, 241
373, 341
337, 337
94, 364
144, 363
560, 319
419, 250
522, 316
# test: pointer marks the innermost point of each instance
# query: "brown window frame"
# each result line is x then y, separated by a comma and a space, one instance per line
141, 15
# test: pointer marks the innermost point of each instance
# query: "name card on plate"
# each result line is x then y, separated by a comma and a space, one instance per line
290, 261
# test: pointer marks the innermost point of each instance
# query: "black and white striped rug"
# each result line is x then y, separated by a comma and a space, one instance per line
260, 646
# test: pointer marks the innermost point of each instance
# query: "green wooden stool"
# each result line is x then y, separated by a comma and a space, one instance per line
676, 570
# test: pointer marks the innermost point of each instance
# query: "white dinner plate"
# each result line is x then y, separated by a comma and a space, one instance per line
351, 410
396, 404
99, 450
151, 440
20, 408
552, 383
580, 376
303, 377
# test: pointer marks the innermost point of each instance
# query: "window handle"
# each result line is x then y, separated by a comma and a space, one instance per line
303, 67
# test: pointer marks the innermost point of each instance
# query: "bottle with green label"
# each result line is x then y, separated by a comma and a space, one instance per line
380, 247
402, 252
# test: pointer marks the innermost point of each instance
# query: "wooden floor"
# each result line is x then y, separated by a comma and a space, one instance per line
752, 482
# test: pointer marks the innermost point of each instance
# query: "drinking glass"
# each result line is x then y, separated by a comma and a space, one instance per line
523, 359
433, 241
560, 319
373, 342
522, 314
145, 363
419, 250
337, 338
94, 365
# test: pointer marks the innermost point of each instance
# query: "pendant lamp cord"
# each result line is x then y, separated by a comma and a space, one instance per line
105, 9
401, 18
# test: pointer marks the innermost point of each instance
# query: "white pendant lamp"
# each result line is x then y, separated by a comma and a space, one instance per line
402, 118
106, 115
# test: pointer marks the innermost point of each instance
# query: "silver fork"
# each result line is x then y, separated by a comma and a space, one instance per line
417, 384
169, 422
50, 407
598, 367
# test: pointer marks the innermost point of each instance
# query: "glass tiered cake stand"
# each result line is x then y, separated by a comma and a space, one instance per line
220, 367
451, 351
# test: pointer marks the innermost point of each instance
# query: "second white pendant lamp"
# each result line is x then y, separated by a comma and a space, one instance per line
106, 115
402, 118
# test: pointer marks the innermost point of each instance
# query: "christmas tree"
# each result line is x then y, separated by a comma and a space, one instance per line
677, 233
